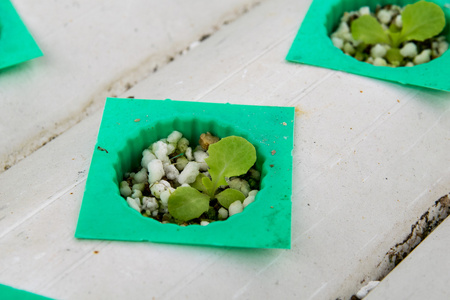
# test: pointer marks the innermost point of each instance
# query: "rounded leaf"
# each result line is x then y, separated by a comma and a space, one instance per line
187, 203
229, 196
198, 183
367, 29
231, 156
422, 20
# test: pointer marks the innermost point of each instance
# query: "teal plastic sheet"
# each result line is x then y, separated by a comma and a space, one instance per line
129, 126
313, 46
16, 43
7, 292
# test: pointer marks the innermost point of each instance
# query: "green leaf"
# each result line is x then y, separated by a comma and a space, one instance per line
393, 28
186, 203
367, 29
421, 20
229, 196
207, 183
395, 39
198, 183
231, 156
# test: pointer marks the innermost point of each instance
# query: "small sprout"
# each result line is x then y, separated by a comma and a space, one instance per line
229, 196
187, 203
421, 20
232, 156
393, 34
171, 189
198, 183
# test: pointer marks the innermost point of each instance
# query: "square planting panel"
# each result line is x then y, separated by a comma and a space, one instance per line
129, 126
313, 46
16, 43
8, 292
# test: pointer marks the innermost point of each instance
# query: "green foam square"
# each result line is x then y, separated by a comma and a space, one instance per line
129, 126
312, 45
16, 43
7, 292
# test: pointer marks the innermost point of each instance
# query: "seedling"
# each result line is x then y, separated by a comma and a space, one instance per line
115, 176
177, 184
421, 21
231, 156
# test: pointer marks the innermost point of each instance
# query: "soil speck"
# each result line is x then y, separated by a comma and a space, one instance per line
102, 149
298, 111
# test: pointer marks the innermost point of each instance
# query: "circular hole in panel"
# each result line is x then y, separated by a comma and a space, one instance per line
131, 154
336, 11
